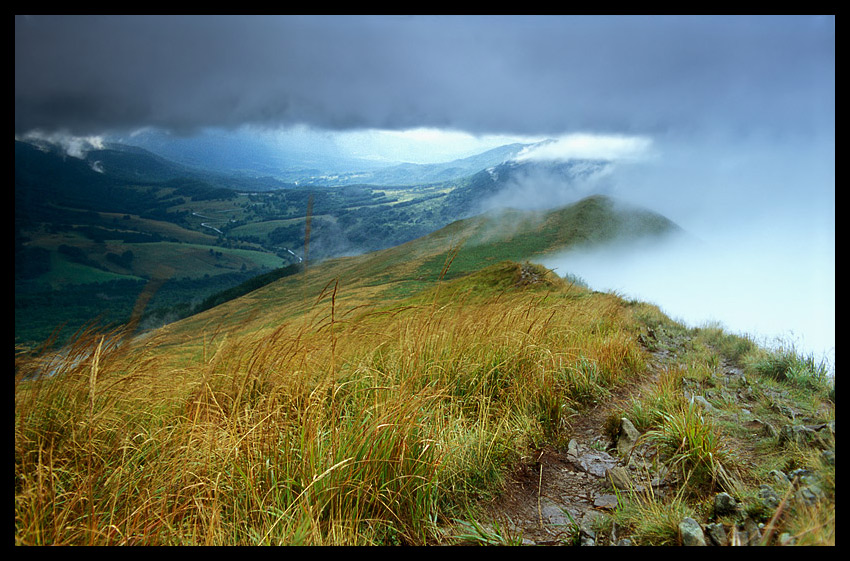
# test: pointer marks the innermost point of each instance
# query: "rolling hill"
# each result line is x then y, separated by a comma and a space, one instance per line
444, 391
90, 231
461, 248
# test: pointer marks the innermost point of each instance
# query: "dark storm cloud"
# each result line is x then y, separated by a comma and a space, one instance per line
532, 75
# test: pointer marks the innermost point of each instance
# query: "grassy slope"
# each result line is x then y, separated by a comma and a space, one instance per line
366, 401
466, 245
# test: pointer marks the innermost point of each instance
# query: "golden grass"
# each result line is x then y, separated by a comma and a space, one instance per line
347, 424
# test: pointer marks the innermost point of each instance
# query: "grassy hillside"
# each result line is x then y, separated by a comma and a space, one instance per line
386, 398
451, 252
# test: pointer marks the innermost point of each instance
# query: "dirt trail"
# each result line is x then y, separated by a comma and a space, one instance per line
536, 498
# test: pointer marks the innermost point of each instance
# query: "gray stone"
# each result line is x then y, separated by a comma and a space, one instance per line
801, 474
605, 501
627, 437
572, 449
619, 477
724, 503
768, 497
554, 514
828, 457
624, 542
752, 531
717, 534
786, 539
591, 521
799, 435
808, 495
779, 476
702, 402
595, 462
691, 532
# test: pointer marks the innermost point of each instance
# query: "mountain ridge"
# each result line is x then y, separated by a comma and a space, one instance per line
458, 249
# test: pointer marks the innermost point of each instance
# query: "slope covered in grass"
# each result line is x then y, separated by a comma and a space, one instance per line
367, 400
375, 427
451, 252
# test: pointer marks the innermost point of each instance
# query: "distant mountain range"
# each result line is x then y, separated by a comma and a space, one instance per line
302, 164
417, 174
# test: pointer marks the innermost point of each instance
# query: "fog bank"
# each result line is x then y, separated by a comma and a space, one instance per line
763, 210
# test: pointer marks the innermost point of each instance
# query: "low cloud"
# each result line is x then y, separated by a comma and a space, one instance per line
748, 287
545, 187
588, 147
563, 170
71, 145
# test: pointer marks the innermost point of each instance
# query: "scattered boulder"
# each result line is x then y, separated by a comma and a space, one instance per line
799, 435
702, 402
753, 532
619, 477
717, 534
595, 462
592, 520
779, 477
572, 449
746, 533
627, 437
724, 504
606, 501
587, 541
691, 532
556, 515
768, 497
807, 496
828, 457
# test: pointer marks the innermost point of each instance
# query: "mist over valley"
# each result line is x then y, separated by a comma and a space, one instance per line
424, 280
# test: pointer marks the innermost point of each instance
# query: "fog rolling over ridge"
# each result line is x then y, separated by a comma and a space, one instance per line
723, 124
758, 256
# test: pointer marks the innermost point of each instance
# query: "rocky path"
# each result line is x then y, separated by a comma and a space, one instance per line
564, 496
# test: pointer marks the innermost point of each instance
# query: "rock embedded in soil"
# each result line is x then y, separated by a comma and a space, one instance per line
606, 502
716, 534
627, 437
595, 462
768, 497
724, 504
800, 435
691, 532
619, 477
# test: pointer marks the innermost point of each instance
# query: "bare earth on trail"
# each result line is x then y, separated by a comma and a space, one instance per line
548, 498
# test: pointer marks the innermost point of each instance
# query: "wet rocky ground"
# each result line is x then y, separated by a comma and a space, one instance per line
566, 497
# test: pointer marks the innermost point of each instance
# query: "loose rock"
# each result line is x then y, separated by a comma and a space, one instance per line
768, 497
799, 435
606, 502
724, 503
627, 437
691, 532
619, 477
717, 534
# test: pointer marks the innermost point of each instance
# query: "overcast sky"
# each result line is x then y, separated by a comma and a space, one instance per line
728, 122
497, 74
